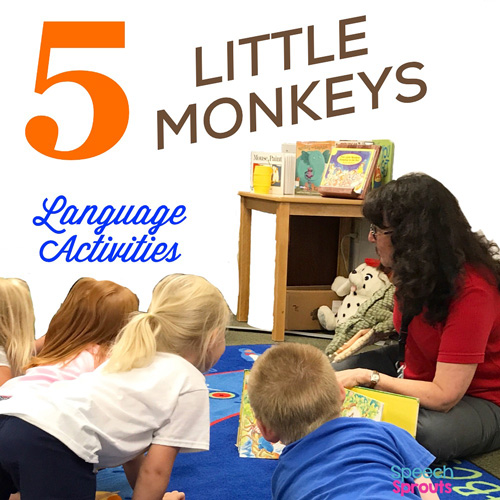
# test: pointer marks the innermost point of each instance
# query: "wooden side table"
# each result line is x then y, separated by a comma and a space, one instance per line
284, 207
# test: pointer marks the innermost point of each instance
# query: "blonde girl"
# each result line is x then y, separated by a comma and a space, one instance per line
80, 333
150, 396
17, 327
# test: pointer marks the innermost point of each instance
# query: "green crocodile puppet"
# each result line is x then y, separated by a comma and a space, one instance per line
371, 322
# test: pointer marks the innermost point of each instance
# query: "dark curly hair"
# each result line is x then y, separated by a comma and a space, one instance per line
432, 242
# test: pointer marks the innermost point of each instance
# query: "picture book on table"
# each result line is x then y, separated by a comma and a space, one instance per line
349, 171
383, 169
311, 159
283, 165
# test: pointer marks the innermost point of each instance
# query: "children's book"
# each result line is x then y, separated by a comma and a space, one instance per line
383, 170
360, 405
250, 442
288, 147
397, 409
349, 171
311, 159
283, 165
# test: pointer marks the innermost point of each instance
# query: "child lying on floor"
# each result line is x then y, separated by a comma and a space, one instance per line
79, 335
150, 395
296, 400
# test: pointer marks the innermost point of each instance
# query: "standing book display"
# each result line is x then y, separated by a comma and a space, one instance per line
311, 159
349, 171
359, 402
383, 170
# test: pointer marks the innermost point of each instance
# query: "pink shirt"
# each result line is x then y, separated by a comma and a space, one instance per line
42, 376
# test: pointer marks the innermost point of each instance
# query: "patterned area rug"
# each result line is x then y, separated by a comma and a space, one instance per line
220, 474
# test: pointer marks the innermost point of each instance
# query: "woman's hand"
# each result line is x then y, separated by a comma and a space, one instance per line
448, 387
356, 376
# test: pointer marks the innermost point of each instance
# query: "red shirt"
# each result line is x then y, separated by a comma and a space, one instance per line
470, 334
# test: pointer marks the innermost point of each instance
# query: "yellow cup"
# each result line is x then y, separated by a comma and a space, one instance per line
262, 178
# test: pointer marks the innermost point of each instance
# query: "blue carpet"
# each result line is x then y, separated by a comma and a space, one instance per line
220, 474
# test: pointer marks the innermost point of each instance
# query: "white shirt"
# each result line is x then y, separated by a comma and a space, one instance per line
3, 358
109, 418
47, 374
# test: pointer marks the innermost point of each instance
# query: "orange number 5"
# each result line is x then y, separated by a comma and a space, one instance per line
109, 101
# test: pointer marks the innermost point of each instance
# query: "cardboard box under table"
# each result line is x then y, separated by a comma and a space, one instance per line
302, 303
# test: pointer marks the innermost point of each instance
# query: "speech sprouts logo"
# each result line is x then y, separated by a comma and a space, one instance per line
439, 486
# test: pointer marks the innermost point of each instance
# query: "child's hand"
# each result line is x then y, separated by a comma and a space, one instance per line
174, 495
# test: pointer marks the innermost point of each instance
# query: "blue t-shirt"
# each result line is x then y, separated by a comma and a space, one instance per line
348, 458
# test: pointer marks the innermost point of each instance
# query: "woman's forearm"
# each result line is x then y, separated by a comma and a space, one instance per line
431, 396
449, 385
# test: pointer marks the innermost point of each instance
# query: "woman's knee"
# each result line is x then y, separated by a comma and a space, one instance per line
471, 427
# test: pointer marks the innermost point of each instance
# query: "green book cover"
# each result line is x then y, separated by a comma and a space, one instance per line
383, 170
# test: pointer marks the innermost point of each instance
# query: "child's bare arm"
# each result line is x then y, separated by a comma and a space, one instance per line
428, 495
154, 473
39, 343
5, 374
132, 468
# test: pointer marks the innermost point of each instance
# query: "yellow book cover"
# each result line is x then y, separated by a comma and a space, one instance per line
349, 171
398, 409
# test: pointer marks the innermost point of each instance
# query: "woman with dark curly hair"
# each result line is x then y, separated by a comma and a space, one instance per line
447, 311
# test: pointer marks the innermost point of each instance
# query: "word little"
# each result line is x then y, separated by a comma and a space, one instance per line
351, 43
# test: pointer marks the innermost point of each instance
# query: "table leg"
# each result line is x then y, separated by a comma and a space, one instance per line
244, 261
280, 273
344, 252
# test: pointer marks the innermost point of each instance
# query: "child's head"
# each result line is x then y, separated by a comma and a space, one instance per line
93, 313
17, 323
293, 390
187, 316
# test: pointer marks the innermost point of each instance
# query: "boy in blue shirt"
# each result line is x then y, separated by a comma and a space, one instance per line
296, 399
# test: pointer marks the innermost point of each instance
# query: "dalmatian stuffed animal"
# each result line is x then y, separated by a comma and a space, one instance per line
362, 283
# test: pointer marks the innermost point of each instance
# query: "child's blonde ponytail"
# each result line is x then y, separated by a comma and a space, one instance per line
136, 344
184, 314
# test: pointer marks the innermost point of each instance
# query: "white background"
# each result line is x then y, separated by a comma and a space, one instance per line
451, 134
